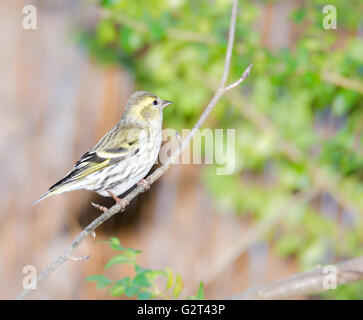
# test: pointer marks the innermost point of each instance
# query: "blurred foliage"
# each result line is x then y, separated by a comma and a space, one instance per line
176, 50
144, 284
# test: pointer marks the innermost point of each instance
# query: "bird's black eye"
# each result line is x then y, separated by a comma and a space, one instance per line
155, 102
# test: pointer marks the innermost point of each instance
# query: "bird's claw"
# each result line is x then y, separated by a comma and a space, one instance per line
145, 184
123, 202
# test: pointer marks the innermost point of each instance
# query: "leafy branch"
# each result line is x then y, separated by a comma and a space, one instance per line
144, 284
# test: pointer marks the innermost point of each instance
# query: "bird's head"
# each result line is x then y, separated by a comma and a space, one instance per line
145, 107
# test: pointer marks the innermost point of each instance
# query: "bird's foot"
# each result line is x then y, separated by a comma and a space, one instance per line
123, 202
145, 184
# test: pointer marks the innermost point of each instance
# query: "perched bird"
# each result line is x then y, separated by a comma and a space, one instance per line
123, 156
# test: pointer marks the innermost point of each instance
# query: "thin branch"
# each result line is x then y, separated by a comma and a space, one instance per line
157, 173
232, 30
341, 81
316, 280
240, 80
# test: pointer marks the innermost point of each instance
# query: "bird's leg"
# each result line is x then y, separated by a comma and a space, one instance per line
123, 202
145, 184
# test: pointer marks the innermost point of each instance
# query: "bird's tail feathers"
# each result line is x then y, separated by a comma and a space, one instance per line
48, 194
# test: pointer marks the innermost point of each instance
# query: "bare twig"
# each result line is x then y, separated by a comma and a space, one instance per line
157, 173
79, 259
240, 80
316, 280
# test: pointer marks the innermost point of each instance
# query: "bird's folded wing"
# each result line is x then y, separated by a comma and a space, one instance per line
120, 143
124, 144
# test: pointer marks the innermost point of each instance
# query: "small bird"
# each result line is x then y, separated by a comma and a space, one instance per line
123, 156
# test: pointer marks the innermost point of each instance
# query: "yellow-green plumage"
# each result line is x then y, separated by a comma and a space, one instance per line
124, 155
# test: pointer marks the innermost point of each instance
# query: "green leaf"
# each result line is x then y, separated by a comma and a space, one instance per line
106, 32
129, 40
200, 294
125, 281
117, 290
178, 286
120, 258
131, 290
141, 280
128, 252
115, 244
109, 3
102, 281
152, 274
140, 269
157, 31
131, 253
299, 15
144, 295
170, 278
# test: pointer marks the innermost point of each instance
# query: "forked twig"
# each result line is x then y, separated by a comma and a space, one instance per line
161, 170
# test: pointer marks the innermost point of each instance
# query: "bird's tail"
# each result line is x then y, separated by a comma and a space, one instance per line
46, 195
52, 191
61, 186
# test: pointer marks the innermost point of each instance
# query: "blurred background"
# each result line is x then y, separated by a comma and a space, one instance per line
296, 197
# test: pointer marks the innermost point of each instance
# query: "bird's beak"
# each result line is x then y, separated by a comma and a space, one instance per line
165, 103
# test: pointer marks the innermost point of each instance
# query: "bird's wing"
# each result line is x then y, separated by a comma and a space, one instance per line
118, 144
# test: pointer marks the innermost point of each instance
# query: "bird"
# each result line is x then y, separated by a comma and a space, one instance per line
123, 156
